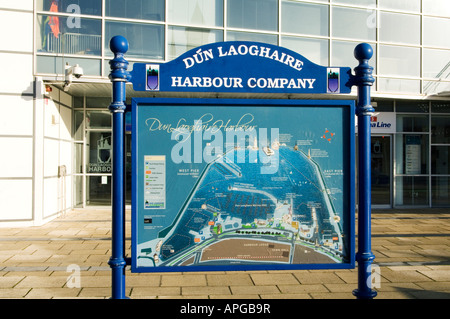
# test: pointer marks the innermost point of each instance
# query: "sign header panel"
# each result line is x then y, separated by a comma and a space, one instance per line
241, 67
242, 184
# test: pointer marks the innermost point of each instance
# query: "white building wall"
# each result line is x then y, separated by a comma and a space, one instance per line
57, 156
35, 129
17, 109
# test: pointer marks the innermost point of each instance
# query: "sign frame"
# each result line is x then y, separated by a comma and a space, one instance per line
362, 79
241, 67
349, 177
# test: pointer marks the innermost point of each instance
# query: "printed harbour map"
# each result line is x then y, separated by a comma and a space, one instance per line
264, 190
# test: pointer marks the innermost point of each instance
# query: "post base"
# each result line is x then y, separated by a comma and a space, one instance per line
364, 294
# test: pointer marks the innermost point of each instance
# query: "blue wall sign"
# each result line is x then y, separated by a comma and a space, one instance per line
241, 67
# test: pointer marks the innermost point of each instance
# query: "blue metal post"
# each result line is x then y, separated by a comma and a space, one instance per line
118, 76
364, 80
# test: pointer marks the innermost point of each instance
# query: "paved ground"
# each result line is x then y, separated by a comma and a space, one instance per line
412, 249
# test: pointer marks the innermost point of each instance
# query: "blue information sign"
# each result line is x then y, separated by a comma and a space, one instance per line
241, 67
242, 184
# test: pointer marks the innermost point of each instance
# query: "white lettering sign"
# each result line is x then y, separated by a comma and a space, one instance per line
383, 122
254, 50
226, 82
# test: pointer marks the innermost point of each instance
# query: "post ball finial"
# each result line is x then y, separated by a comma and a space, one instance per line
363, 51
118, 44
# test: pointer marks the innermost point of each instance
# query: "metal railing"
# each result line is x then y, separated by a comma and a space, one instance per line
74, 43
430, 87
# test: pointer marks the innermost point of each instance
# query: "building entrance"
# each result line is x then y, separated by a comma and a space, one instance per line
381, 170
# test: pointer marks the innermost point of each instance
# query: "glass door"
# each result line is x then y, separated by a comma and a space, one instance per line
381, 170
98, 167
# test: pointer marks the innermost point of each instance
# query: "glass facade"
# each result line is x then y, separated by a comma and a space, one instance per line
92, 145
92, 153
411, 59
253, 14
422, 144
412, 51
304, 18
136, 9
412, 54
196, 12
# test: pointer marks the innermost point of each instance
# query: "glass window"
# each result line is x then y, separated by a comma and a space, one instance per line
398, 85
200, 12
440, 190
253, 14
56, 35
303, 18
399, 28
357, 2
436, 63
440, 107
412, 106
436, 7
97, 102
98, 190
411, 191
78, 125
407, 5
440, 160
354, 23
78, 161
343, 55
252, 36
181, 39
145, 40
78, 101
88, 7
380, 170
434, 30
412, 123
135, 9
315, 50
435, 87
384, 106
440, 129
98, 119
411, 154
399, 61
78, 190
98, 155
55, 65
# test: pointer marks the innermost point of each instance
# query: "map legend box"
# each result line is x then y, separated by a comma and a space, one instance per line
154, 182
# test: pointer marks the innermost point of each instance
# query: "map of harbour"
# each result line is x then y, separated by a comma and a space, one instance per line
236, 215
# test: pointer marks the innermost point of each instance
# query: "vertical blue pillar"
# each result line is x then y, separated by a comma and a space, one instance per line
118, 76
364, 80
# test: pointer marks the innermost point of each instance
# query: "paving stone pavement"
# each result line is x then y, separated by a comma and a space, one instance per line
68, 258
